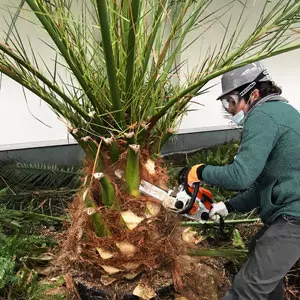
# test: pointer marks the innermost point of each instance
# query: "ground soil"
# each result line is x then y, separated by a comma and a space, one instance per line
203, 279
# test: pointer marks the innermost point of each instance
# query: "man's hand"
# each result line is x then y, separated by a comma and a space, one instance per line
218, 210
193, 173
189, 175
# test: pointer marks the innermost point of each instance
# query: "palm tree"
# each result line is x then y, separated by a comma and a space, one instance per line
121, 103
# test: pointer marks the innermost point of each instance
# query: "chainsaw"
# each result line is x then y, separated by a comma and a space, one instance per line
193, 202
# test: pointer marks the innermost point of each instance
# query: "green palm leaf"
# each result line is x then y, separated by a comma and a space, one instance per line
39, 176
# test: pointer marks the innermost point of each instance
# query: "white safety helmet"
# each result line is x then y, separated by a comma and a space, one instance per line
249, 74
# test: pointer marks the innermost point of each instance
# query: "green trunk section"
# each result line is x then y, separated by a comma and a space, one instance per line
97, 219
141, 136
131, 140
132, 173
108, 193
159, 142
90, 149
114, 152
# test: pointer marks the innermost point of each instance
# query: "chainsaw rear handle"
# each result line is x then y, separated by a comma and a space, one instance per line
192, 200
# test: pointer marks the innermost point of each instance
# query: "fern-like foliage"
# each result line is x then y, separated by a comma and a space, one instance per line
20, 250
30, 194
16, 221
40, 188
24, 247
42, 290
20, 254
27, 175
218, 155
40, 201
7, 268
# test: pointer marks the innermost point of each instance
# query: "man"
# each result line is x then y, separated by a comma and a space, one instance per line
266, 171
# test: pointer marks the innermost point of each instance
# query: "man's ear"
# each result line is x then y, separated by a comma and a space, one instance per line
255, 95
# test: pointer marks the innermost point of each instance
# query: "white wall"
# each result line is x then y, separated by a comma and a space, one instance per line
19, 126
284, 69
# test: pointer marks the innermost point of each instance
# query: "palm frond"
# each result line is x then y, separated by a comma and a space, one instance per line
38, 176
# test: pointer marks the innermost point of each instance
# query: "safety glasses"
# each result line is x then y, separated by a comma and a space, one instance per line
229, 101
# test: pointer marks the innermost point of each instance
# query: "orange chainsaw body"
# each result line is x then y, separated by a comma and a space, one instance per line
206, 197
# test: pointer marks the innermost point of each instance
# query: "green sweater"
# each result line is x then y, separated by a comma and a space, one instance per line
267, 164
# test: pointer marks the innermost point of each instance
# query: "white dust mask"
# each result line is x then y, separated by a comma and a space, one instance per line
239, 118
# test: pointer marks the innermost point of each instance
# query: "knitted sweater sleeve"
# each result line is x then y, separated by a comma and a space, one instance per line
260, 134
246, 200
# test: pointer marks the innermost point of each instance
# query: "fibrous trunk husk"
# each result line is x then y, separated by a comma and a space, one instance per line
147, 250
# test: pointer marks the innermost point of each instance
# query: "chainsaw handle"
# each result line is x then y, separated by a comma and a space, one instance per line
193, 199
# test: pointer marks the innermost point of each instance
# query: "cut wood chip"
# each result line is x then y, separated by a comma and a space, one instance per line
145, 124
126, 248
135, 147
153, 208
131, 219
171, 130
104, 254
98, 175
130, 266
132, 275
92, 114
144, 291
150, 166
106, 280
43, 257
111, 270
90, 211
108, 141
86, 138
169, 202
200, 239
129, 135
189, 236
85, 193
61, 291
119, 173
54, 279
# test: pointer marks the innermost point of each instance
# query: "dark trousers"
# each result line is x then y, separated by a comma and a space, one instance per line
272, 253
